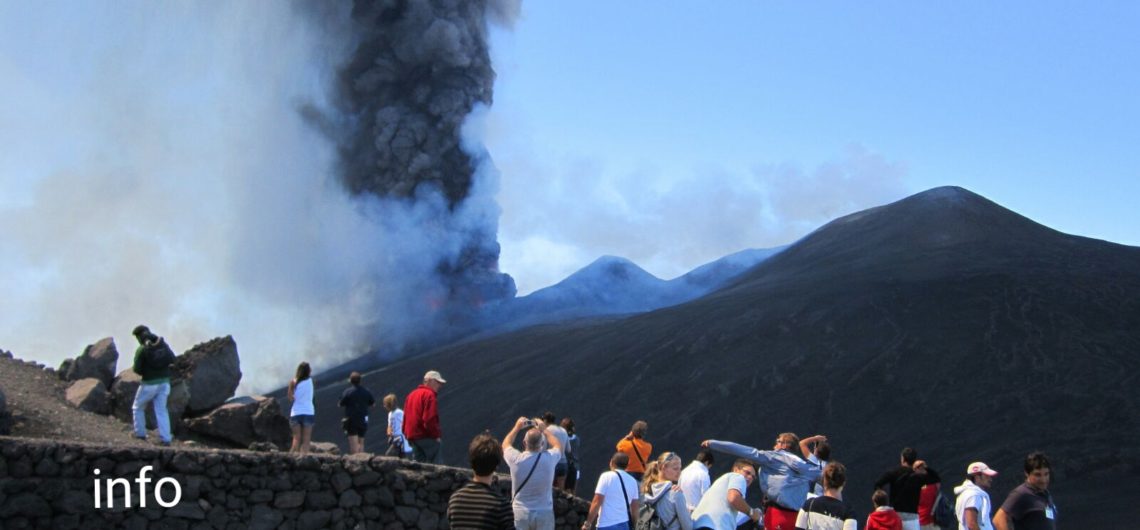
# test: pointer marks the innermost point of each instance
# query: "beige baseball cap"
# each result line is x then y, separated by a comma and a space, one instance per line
980, 467
434, 375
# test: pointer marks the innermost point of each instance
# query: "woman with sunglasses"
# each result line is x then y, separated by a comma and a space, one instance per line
658, 492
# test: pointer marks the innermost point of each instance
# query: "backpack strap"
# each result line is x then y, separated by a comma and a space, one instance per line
532, 468
621, 482
633, 444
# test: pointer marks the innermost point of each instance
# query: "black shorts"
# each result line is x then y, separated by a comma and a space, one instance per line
571, 476
560, 470
354, 427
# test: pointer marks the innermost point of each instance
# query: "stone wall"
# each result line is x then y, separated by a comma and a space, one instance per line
53, 485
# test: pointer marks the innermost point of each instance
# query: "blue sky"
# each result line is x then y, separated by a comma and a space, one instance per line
154, 167
1031, 104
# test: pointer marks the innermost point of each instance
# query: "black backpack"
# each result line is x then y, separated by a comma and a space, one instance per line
943, 512
160, 356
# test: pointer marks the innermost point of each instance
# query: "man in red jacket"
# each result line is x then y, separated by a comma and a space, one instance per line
421, 420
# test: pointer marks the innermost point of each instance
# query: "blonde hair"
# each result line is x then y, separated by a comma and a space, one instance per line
653, 471
390, 402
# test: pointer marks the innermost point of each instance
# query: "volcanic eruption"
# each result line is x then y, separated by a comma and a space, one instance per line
416, 71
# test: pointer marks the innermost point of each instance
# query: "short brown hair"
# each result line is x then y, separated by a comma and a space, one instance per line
484, 454
834, 475
879, 498
744, 462
620, 460
639, 428
354, 378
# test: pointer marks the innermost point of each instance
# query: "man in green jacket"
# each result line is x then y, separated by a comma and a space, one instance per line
152, 362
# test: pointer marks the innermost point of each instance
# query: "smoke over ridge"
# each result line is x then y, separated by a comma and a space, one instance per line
167, 172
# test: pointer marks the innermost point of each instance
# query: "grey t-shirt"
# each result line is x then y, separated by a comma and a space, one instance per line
537, 493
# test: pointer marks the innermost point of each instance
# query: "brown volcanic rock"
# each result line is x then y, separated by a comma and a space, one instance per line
270, 424
89, 394
97, 360
211, 371
942, 322
232, 422
244, 421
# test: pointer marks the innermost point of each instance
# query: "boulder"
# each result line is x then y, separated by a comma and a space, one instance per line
232, 422
5, 416
89, 394
212, 372
123, 398
97, 361
270, 424
244, 421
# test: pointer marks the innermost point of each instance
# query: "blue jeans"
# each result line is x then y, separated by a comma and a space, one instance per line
158, 394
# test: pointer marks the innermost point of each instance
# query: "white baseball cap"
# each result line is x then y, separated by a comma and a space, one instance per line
980, 467
434, 375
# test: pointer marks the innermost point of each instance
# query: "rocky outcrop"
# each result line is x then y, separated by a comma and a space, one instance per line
89, 394
97, 361
211, 371
52, 485
123, 398
244, 421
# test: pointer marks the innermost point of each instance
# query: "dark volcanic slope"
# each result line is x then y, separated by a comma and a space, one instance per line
941, 321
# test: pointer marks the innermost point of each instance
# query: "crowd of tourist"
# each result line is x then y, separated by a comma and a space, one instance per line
801, 485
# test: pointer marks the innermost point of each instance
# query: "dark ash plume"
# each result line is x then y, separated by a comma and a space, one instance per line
416, 71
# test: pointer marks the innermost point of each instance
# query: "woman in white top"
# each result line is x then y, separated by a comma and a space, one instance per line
657, 490
303, 415
397, 443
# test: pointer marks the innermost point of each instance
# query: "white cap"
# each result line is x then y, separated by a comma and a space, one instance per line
434, 375
980, 467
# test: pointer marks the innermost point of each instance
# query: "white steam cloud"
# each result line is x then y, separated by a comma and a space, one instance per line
156, 170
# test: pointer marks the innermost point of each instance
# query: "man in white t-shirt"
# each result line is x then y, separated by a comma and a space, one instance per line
725, 498
532, 474
695, 478
615, 502
973, 504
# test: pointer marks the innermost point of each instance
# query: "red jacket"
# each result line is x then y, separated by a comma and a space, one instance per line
926, 498
421, 415
884, 520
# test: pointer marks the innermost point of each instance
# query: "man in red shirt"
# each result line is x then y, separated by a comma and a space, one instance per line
421, 420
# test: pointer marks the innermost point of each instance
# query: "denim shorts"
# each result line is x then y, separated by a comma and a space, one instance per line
304, 420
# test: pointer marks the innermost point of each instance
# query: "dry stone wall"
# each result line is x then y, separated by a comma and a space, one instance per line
54, 485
